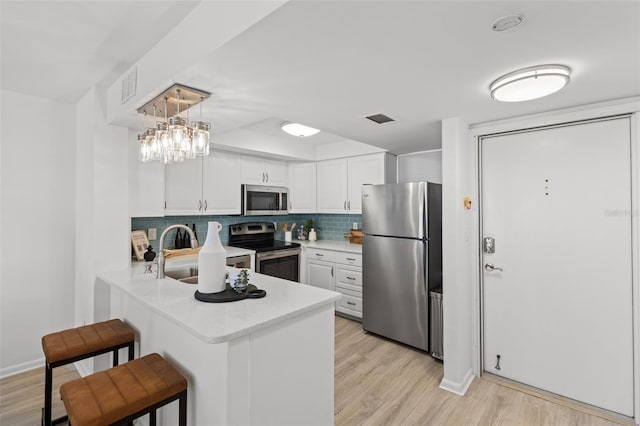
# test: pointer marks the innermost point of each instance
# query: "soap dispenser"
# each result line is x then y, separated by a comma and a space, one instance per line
312, 235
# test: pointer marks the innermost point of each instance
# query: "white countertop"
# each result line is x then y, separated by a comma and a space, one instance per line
219, 322
344, 246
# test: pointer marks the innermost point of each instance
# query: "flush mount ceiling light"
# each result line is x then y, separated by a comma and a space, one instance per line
296, 129
174, 139
530, 83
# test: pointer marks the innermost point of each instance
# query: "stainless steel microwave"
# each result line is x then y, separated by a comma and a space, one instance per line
262, 200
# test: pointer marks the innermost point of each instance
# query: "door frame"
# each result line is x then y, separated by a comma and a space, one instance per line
574, 116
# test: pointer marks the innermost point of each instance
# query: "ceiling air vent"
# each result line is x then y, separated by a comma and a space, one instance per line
129, 83
380, 118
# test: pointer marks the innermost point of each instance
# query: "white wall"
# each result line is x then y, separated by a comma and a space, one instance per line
102, 208
459, 254
37, 221
420, 166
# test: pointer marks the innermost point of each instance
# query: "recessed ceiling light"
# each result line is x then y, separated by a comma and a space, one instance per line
530, 83
300, 130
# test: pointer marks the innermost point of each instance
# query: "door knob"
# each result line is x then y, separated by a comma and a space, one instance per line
490, 267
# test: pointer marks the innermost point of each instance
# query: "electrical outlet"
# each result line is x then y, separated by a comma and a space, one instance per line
152, 233
355, 225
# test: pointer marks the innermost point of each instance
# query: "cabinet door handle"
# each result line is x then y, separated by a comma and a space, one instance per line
351, 259
205, 205
267, 176
262, 176
348, 205
332, 271
351, 278
199, 205
351, 303
345, 205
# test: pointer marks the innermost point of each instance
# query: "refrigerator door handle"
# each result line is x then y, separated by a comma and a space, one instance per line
425, 247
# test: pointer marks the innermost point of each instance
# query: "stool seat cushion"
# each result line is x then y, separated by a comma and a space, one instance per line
81, 341
105, 397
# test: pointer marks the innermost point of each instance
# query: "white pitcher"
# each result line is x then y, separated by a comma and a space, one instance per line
212, 262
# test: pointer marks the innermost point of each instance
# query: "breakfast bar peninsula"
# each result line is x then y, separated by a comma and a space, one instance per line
266, 361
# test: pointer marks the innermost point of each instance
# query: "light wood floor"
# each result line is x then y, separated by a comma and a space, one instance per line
377, 382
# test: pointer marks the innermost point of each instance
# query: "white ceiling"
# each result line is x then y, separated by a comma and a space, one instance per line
60, 49
327, 64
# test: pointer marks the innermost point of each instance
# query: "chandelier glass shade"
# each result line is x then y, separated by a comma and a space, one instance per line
174, 139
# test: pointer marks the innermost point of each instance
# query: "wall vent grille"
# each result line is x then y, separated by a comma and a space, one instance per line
129, 83
380, 118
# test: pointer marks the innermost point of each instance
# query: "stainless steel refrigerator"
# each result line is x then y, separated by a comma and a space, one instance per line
402, 259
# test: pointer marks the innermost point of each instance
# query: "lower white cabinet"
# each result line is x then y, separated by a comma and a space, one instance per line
321, 274
339, 271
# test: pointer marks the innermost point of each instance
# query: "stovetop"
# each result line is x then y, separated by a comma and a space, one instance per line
258, 236
262, 246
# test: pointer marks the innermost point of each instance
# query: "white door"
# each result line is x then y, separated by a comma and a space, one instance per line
559, 314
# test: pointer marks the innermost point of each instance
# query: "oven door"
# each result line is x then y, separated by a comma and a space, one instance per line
283, 264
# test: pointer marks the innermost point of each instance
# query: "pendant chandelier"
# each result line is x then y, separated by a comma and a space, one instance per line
174, 139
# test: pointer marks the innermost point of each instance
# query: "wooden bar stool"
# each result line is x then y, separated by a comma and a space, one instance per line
121, 394
75, 344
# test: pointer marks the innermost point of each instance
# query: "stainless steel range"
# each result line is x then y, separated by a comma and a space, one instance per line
273, 257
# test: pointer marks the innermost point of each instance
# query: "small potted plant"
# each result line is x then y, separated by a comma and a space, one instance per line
303, 233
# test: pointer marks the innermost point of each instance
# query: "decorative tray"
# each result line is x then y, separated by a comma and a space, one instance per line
230, 295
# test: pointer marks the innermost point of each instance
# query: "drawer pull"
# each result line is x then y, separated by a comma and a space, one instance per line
351, 278
319, 254
351, 303
351, 259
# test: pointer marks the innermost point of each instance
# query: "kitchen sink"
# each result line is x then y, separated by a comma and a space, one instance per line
188, 275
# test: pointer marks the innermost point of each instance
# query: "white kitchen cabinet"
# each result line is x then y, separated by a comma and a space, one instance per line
339, 182
331, 187
146, 185
302, 187
321, 274
206, 186
259, 171
339, 271
221, 184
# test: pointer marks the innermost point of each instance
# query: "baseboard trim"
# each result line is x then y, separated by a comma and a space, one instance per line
20, 368
459, 388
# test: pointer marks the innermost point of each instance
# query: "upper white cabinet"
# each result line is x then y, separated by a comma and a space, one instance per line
302, 187
332, 186
206, 186
221, 184
146, 185
259, 171
339, 182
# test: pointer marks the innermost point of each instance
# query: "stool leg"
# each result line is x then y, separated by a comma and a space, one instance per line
131, 345
182, 409
152, 418
48, 385
115, 357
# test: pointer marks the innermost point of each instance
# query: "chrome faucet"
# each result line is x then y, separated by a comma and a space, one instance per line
194, 244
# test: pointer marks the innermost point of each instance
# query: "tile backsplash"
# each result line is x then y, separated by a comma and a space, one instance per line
327, 226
